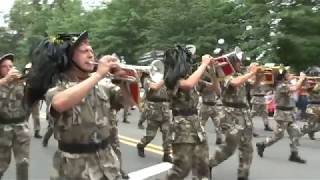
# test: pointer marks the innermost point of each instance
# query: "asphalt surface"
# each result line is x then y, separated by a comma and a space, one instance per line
274, 165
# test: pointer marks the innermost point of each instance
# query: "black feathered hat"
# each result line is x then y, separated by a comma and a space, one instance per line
50, 58
7, 56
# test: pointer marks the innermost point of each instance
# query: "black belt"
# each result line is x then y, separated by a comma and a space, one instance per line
235, 105
12, 120
283, 108
76, 148
157, 100
259, 95
314, 102
209, 103
184, 112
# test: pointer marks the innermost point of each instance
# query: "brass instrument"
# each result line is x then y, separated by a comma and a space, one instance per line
224, 68
309, 77
155, 70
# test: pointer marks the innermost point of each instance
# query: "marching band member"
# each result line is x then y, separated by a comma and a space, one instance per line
81, 108
14, 114
236, 124
284, 116
189, 141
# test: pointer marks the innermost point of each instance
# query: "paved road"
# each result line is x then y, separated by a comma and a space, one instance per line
274, 165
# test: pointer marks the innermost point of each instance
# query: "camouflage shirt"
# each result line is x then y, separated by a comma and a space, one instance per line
283, 96
160, 94
187, 127
184, 100
314, 94
258, 92
11, 103
207, 94
90, 120
234, 95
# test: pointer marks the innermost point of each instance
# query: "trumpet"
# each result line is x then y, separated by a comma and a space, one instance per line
155, 70
224, 68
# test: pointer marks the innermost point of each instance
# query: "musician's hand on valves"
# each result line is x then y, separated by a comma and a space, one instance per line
12, 75
106, 65
207, 59
302, 76
253, 68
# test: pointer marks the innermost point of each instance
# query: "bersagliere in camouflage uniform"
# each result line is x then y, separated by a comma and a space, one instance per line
14, 129
284, 116
236, 124
158, 115
258, 91
189, 141
36, 119
81, 108
114, 132
313, 112
208, 108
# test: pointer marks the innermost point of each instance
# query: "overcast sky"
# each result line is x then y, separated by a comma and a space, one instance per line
5, 6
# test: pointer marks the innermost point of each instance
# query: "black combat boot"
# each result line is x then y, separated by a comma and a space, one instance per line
140, 125
260, 148
210, 173
167, 158
124, 175
243, 178
37, 134
311, 136
22, 171
294, 157
140, 148
218, 140
46, 137
255, 134
267, 128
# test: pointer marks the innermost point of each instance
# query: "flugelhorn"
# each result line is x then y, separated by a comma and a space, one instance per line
155, 70
224, 67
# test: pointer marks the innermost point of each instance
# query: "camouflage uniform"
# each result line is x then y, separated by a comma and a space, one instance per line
158, 116
208, 108
189, 146
84, 134
36, 116
313, 113
236, 125
14, 130
259, 103
284, 116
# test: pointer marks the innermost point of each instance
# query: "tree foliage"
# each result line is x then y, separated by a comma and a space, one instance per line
281, 31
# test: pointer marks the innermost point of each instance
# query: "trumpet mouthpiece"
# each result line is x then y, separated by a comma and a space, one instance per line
93, 62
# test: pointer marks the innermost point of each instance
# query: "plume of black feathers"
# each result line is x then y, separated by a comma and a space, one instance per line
48, 60
178, 64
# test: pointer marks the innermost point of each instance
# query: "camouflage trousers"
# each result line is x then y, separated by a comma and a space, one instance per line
260, 111
188, 156
158, 116
313, 120
36, 116
15, 139
101, 165
285, 121
115, 144
213, 112
190, 148
236, 125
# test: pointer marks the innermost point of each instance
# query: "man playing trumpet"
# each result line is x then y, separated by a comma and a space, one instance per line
236, 124
258, 90
82, 109
14, 129
313, 110
284, 116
